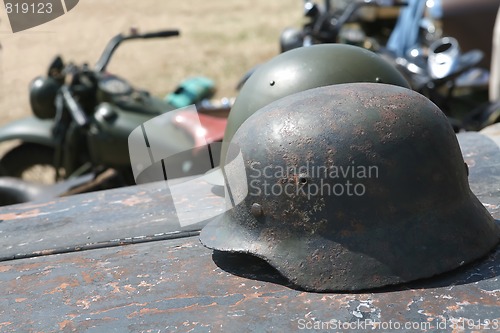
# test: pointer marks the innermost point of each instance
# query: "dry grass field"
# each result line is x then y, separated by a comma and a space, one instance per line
219, 39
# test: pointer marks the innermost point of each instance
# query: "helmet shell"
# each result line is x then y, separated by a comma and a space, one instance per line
43, 91
305, 68
407, 214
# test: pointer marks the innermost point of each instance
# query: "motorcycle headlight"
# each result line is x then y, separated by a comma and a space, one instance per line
43, 91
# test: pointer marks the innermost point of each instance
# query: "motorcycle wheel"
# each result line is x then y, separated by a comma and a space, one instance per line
30, 162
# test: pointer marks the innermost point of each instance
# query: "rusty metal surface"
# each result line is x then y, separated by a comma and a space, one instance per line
371, 190
178, 285
94, 220
482, 155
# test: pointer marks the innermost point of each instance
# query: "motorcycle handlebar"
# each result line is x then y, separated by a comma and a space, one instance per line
115, 41
161, 34
390, 3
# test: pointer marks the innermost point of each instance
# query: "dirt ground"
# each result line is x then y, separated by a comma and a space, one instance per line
219, 39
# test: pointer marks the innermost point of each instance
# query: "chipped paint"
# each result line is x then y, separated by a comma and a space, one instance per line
127, 291
5, 268
133, 201
176, 284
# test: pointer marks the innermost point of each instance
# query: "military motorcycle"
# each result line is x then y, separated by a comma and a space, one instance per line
83, 116
412, 36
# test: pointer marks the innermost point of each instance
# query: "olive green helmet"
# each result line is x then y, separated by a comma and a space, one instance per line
350, 187
305, 68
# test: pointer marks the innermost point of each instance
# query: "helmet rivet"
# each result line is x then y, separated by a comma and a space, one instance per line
256, 210
272, 83
378, 80
302, 178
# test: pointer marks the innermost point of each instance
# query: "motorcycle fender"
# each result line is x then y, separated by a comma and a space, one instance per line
30, 129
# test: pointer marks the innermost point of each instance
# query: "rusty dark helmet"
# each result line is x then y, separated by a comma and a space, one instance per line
305, 68
350, 187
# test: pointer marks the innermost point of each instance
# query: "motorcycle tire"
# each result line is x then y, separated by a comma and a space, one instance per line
14, 191
31, 162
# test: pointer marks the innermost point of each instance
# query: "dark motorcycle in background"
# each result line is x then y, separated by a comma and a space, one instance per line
83, 117
363, 23
413, 35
